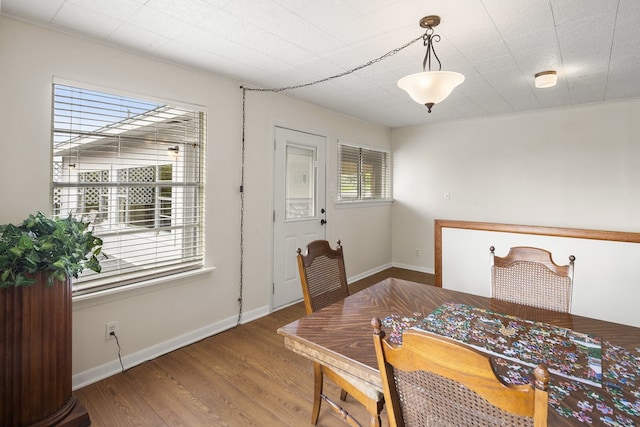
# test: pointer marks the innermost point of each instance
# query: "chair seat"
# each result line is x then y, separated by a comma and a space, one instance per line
371, 391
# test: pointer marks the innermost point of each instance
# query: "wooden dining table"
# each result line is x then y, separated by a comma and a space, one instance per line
340, 336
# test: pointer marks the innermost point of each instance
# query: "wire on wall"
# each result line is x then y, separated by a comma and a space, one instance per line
241, 297
119, 350
242, 164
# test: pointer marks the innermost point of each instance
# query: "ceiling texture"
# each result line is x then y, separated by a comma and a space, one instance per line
498, 45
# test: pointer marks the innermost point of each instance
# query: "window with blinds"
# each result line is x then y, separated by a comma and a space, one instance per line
363, 174
134, 169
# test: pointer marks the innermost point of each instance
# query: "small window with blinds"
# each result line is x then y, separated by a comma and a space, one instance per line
134, 169
363, 174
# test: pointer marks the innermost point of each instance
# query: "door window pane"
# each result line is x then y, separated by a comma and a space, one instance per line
300, 182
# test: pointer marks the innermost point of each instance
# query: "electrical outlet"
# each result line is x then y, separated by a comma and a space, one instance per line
112, 327
417, 252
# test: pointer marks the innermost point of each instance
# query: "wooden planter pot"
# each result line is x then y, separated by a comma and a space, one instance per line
35, 357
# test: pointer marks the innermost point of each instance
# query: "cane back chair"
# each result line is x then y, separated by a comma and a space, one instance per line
529, 276
324, 281
430, 380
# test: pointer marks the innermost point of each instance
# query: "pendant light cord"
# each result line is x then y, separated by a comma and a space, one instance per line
344, 73
242, 163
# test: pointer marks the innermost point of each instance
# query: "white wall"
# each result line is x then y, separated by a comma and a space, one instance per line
576, 167
605, 272
573, 168
154, 320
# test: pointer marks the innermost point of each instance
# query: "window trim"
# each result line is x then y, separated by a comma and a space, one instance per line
140, 286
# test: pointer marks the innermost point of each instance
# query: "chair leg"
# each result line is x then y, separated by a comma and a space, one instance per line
374, 409
317, 391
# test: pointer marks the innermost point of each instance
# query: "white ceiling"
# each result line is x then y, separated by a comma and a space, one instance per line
497, 44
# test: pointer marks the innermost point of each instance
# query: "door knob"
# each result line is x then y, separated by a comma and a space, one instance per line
323, 221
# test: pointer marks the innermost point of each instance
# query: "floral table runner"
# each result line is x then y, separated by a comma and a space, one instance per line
595, 382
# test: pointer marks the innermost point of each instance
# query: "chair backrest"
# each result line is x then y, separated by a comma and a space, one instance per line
529, 276
432, 380
322, 275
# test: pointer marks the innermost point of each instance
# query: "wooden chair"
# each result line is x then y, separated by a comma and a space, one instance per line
529, 276
324, 281
434, 381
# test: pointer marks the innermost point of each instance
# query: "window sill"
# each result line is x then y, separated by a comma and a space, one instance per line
363, 204
100, 297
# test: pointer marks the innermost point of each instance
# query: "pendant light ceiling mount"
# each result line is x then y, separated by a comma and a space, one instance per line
430, 21
430, 87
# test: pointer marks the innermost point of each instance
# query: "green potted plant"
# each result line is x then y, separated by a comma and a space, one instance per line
38, 260
62, 247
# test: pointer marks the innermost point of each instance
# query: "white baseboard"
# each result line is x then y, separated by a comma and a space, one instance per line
108, 369
414, 268
255, 314
368, 273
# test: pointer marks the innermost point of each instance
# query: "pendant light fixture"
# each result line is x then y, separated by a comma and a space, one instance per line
430, 87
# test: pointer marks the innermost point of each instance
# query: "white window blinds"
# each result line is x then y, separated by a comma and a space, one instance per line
363, 174
134, 169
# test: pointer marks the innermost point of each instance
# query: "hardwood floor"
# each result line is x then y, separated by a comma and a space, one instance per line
240, 377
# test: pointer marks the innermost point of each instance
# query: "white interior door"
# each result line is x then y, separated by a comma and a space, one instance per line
299, 207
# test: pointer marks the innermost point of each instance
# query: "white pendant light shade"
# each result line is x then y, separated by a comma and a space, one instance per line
430, 87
